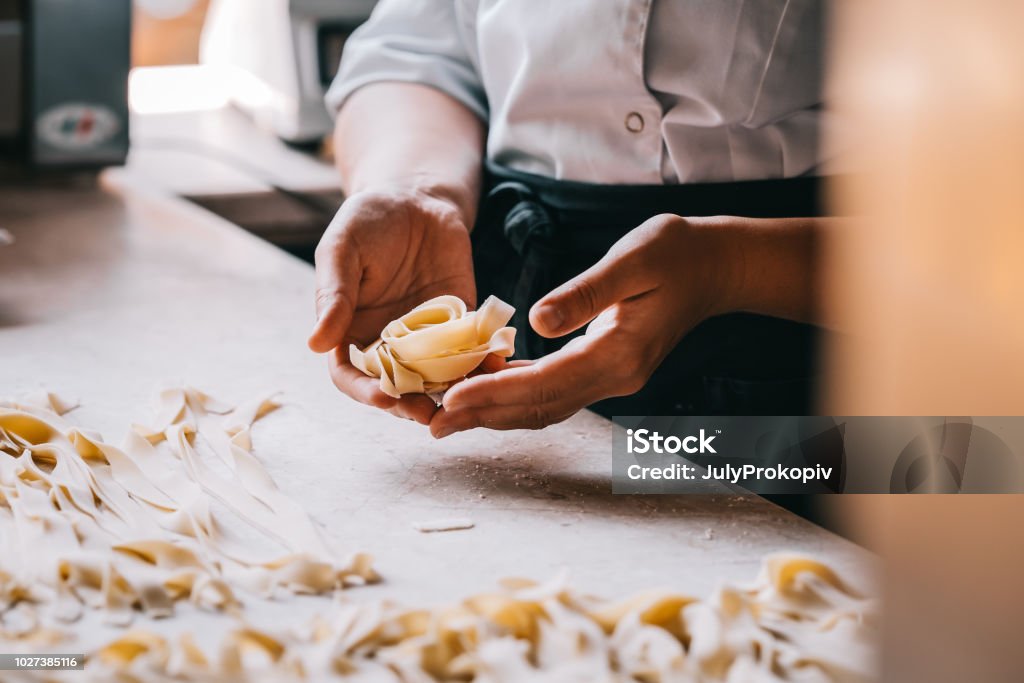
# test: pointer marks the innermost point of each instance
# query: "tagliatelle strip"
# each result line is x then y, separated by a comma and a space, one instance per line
435, 344
87, 524
797, 622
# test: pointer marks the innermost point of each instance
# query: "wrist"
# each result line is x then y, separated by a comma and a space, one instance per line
720, 263
423, 188
762, 265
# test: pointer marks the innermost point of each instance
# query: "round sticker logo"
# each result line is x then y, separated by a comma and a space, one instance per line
77, 126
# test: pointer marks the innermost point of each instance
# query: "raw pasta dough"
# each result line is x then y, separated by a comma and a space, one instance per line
797, 622
435, 344
84, 523
450, 524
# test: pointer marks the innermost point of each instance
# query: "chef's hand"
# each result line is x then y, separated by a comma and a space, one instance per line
651, 288
384, 254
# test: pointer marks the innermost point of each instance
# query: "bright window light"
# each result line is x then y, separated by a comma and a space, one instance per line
169, 89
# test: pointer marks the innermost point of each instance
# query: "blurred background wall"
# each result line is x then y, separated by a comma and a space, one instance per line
930, 284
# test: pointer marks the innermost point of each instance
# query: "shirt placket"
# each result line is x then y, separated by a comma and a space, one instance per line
642, 113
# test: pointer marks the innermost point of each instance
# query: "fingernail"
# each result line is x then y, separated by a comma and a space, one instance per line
447, 431
551, 317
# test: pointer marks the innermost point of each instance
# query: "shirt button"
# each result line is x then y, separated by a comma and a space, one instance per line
634, 122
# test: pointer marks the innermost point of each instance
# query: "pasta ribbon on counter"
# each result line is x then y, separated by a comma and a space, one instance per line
435, 344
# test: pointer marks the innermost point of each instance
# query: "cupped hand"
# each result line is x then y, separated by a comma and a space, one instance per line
653, 286
384, 254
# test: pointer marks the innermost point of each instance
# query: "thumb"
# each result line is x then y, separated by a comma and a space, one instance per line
337, 290
581, 299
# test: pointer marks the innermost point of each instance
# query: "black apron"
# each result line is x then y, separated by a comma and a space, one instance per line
534, 233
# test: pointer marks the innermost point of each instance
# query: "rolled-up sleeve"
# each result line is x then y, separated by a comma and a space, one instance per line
412, 41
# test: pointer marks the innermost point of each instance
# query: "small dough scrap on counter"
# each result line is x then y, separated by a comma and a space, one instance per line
436, 344
452, 524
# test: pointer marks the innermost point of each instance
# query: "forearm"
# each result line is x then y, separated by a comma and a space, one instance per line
405, 136
770, 265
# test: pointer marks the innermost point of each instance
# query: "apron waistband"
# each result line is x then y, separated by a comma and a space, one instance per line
591, 217
773, 198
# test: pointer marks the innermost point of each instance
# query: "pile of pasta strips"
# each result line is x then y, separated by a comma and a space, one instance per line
86, 525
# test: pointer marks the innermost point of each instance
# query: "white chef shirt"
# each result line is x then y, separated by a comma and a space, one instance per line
614, 91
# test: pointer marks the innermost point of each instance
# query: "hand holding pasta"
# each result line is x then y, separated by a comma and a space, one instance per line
636, 303
383, 254
435, 344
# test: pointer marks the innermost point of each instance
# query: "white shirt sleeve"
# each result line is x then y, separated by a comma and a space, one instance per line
411, 41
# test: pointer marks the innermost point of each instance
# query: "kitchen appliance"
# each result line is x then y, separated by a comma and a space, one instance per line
282, 55
63, 83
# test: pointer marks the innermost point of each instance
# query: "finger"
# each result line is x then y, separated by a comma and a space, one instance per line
566, 374
490, 365
494, 363
338, 274
617, 276
354, 384
531, 394
499, 417
416, 407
